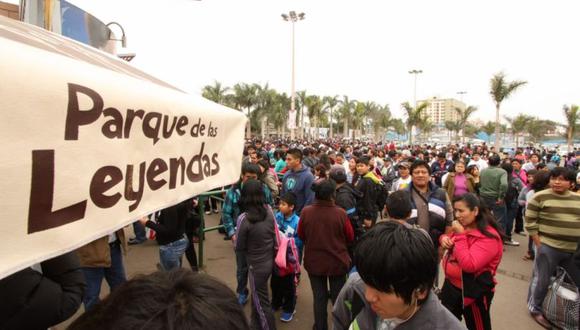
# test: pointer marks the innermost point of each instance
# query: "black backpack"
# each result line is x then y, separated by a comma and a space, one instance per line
512, 192
381, 194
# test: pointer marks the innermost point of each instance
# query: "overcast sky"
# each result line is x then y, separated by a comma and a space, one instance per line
363, 49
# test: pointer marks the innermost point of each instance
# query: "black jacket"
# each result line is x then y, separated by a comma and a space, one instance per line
33, 300
346, 198
366, 207
170, 225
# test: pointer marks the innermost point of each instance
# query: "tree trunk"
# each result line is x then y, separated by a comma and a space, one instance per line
410, 132
331, 132
345, 128
249, 127
497, 128
517, 140
569, 139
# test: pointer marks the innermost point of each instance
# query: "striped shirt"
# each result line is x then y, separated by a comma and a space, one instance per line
555, 218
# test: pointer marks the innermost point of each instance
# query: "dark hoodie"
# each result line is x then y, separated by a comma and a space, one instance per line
300, 183
347, 198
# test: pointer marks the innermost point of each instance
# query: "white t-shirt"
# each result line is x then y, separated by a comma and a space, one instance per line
401, 184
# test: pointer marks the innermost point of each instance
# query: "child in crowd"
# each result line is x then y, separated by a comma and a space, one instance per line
284, 288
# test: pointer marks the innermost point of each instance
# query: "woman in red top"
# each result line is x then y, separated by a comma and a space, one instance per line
473, 253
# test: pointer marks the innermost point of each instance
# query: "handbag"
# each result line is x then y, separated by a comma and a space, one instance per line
562, 303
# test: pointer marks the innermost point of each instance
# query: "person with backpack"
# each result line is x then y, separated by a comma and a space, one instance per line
370, 187
256, 240
326, 232
515, 185
284, 287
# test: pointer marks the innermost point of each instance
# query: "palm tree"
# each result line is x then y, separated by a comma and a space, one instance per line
450, 127
572, 123
470, 130
414, 117
345, 111
537, 128
489, 129
425, 126
464, 115
358, 116
245, 98
299, 103
215, 92
382, 118
501, 89
314, 105
330, 102
518, 125
398, 126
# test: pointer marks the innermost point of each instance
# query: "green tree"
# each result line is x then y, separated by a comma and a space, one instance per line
464, 115
518, 125
489, 129
382, 120
398, 126
245, 96
500, 90
330, 103
215, 92
470, 130
572, 125
314, 105
358, 116
345, 112
414, 117
537, 128
300, 104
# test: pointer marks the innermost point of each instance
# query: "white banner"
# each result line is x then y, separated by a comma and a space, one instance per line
89, 144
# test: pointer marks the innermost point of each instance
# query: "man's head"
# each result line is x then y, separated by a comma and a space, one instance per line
476, 156
340, 158
562, 179
398, 266
287, 203
399, 205
363, 165
494, 160
253, 157
178, 299
324, 190
534, 158
337, 174
404, 169
421, 173
441, 157
250, 171
294, 158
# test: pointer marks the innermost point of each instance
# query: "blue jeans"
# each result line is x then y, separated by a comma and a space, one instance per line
499, 211
170, 254
510, 216
241, 273
139, 230
115, 276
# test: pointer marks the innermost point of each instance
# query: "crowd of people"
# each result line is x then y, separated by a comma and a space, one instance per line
375, 226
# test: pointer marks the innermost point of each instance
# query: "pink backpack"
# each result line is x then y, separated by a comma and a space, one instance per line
286, 261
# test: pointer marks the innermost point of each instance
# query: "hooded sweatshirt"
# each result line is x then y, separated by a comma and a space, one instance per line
300, 183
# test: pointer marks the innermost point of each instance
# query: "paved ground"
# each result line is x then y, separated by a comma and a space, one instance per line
508, 309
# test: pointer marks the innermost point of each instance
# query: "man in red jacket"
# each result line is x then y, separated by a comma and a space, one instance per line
326, 232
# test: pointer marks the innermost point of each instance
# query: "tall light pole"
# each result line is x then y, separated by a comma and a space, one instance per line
461, 93
293, 18
416, 73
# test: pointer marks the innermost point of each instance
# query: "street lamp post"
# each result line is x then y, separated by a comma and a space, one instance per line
461, 93
293, 18
416, 73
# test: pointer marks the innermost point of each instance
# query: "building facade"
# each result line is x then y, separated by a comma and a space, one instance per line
441, 110
9, 10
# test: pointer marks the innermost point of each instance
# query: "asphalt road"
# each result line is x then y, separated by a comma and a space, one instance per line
508, 311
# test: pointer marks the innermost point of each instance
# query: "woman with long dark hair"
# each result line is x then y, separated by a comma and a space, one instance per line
473, 253
255, 237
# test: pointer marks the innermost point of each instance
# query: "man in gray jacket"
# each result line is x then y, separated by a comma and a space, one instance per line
392, 289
